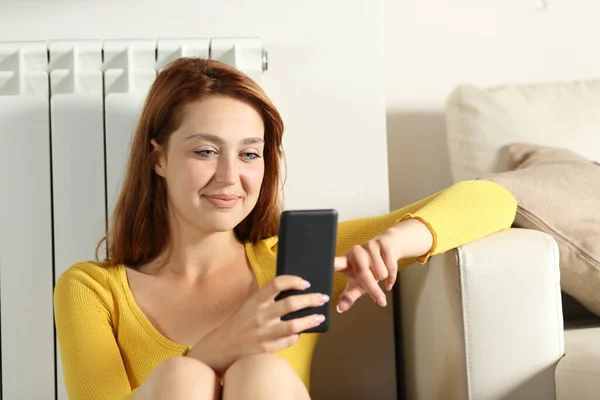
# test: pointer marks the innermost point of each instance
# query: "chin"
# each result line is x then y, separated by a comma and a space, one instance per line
222, 223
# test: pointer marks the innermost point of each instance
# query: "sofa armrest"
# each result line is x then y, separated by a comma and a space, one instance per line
484, 321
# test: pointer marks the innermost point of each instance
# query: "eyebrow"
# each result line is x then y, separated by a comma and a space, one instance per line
219, 140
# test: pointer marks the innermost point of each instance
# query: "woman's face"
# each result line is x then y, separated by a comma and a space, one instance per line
214, 164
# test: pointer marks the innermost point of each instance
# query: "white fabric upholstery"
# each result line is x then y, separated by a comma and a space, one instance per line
484, 322
480, 121
578, 373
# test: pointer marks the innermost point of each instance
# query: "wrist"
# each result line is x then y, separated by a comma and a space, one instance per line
208, 352
413, 238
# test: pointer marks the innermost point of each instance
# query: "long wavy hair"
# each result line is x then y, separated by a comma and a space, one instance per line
139, 230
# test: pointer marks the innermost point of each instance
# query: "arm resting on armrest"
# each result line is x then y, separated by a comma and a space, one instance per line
484, 321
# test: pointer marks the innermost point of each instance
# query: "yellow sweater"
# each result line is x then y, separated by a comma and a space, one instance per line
108, 346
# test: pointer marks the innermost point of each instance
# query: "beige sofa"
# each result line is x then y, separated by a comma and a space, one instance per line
487, 321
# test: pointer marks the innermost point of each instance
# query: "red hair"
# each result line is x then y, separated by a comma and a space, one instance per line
139, 229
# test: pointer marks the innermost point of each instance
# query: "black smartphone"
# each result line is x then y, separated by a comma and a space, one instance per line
307, 241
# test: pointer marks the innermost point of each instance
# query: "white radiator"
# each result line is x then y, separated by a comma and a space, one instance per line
67, 114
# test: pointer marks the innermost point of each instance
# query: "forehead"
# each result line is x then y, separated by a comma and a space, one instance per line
222, 116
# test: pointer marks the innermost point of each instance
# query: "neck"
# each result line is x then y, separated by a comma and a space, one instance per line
197, 254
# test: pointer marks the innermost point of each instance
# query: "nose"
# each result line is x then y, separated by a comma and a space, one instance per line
227, 172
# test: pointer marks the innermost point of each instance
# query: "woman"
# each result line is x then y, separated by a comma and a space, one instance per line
184, 305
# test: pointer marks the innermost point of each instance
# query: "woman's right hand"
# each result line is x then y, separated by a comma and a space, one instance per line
257, 326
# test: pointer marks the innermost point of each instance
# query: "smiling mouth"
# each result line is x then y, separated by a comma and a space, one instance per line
222, 201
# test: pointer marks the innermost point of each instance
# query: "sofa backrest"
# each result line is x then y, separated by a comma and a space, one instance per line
481, 121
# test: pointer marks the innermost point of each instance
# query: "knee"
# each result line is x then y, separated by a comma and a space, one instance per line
184, 372
266, 365
264, 376
179, 378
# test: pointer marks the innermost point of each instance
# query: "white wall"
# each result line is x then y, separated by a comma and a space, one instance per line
325, 76
432, 46
325, 60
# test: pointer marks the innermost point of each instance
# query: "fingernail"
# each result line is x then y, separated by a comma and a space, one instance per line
389, 287
320, 318
324, 298
381, 300
305, 284
338, 309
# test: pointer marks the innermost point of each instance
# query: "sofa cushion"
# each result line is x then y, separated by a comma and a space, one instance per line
557, 192
481, 121
578, 371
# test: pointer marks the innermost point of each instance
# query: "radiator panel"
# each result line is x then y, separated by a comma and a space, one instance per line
26, 270
68, 112
77, 126
129, 73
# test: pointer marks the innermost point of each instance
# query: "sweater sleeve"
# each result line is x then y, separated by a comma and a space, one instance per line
92, 365
458, 215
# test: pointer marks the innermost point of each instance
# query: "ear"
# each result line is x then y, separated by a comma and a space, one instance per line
161, 164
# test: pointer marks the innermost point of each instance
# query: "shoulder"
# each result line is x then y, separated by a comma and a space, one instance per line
262, 256
87, 279
88, 272
264, 247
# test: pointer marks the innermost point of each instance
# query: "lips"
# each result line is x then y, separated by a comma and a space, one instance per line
222, 200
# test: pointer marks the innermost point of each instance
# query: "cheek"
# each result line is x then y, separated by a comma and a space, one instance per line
189, 175
253, 178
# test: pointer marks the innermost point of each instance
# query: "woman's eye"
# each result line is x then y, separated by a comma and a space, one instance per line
205, 153
250, 156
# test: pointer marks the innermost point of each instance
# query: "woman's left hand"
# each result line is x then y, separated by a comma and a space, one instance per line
377, 260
